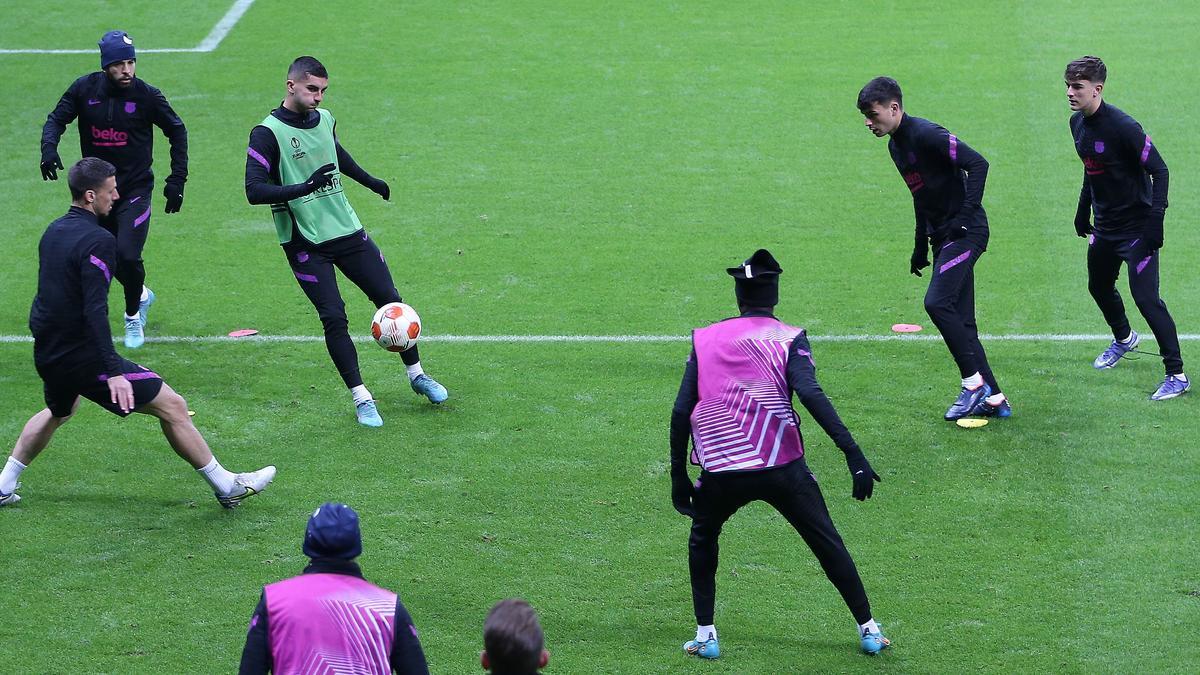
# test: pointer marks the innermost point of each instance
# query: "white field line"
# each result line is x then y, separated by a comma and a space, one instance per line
1034, 337
208, 44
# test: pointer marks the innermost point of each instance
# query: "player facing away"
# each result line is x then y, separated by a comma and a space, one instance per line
946, 178
1125, 187
117, 113
73, 350
735, 405
295, 163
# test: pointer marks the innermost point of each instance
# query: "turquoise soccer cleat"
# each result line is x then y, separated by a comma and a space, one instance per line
873, 643
368, 414
144, 307
429, 387
705, 649
134, 333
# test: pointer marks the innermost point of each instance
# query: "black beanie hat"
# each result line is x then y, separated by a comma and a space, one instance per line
116, 45
333, 532
756, 281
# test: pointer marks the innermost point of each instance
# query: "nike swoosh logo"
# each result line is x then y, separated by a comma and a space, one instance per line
858, 473
92, 101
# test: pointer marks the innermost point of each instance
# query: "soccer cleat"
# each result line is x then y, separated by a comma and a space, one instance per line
1115, 351
966, 401
368, 414
873, 643
134, 334
247, 485
705, 649
985, 409
427, 386
1171, 387
144, 307
10, 498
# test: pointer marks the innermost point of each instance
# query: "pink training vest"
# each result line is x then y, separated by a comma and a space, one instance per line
744, 420
330, 623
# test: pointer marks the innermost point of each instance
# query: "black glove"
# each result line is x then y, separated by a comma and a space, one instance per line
1083, 226
864, 476
380, 188
173, 191
682, 492
50, 165
918, 262
1152, 231
322, 177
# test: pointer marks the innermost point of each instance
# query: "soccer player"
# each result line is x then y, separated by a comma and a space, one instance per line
116, 113
73, 349
1125, 186
329, 619
513, 643
946, 178
735, 404
295, 163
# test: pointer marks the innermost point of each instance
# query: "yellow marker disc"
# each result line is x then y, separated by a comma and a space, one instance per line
971, 422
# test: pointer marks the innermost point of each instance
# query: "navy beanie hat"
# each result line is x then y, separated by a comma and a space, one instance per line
333, 532
116, 45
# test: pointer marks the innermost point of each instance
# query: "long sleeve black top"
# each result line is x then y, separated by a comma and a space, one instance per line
263, 184
69, 316
946, 178
801, 377
115, 124
407, 657
1124, 177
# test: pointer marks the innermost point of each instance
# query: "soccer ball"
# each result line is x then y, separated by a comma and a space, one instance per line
396, 327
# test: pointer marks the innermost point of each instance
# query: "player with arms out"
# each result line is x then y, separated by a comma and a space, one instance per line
735, 403
73, 349
295, 163
117, 113
1125, 187
946, 178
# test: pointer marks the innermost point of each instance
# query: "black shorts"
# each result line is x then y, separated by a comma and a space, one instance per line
63, 384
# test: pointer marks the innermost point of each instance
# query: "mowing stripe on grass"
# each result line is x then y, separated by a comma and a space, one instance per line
1033, 337
208, 44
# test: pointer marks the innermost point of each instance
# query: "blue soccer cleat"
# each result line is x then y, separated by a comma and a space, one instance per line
368, 414
985, 409
1171, 387
1115, 352
429, 387
705, 649
967, 400
134, 332
144, 307
873, 643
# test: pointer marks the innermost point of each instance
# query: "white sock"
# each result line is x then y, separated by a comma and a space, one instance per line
8, 477
218, 477
869, 626
145, 294
973, 382
705, 633
1128, 339
414, 371
995, 399
360, 394
133, 316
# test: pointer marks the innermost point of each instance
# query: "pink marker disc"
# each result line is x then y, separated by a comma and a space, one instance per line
905, 328
244, 332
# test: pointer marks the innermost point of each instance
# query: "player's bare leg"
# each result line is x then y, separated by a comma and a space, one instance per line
33, 439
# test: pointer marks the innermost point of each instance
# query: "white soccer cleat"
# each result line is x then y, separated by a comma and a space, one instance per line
10, 498
247, 485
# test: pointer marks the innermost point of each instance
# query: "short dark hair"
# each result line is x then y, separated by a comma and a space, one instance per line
1089, 68
306, 65
880, 90
88, 173
512, 637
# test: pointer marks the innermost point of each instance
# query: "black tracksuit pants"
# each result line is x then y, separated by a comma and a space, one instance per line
794, 493
1104, 260
361, 261
129, 222
950, 303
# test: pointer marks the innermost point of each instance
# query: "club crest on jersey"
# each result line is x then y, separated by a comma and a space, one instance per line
130, 107
1099, 147
296, 144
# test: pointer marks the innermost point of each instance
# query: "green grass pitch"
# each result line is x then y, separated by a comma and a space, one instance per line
591, 168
